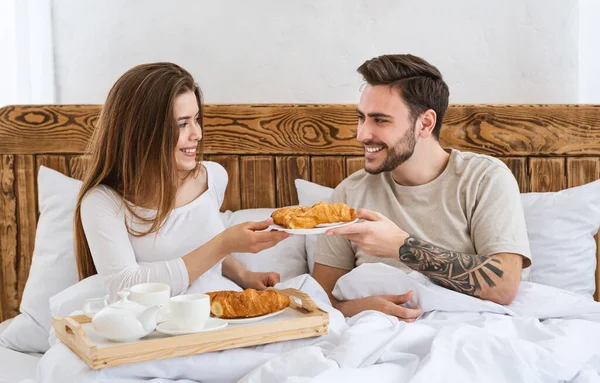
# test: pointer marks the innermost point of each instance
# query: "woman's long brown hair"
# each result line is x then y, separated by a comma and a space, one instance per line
132, 149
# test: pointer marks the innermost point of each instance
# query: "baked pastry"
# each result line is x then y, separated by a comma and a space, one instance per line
246, 304
280, 215
308, 217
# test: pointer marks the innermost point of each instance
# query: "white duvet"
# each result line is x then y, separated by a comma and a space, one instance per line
546, 335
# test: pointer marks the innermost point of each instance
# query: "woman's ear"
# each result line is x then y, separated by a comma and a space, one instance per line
428, 120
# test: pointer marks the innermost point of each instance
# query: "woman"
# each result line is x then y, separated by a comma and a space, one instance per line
147, 210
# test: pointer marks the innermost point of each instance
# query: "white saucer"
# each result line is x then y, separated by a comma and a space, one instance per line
253, 319
320, 229
170, 328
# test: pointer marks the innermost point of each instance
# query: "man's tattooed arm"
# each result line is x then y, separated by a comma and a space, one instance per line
465, 273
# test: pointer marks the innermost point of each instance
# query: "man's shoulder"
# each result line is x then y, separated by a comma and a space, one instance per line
478, 165
357, 183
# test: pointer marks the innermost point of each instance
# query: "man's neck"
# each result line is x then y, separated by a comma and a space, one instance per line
425, 165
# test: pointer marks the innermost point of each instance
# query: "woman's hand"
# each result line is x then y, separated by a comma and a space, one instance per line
248, 237
259, 281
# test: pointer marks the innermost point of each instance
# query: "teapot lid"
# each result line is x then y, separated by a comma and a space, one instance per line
124, 302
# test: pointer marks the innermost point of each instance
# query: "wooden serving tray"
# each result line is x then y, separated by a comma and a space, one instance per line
303, 319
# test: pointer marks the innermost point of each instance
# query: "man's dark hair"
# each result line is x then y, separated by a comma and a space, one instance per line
419, 83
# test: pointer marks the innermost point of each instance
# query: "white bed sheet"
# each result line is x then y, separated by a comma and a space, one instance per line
546, 335
3, 326
16, 367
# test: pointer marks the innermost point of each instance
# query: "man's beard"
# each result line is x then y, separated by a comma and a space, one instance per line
398, 154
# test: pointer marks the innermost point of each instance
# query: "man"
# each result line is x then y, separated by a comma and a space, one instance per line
456, 217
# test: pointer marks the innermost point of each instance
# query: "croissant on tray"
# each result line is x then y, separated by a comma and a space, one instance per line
304, 217
246, 304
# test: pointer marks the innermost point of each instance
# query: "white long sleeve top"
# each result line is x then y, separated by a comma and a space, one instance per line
123, 260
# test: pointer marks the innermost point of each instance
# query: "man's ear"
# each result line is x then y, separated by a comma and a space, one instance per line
427, 124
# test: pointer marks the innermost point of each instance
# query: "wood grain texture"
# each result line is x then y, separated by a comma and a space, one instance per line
500, 130
257, 182
354, 164
8, 238
581, 171
58, 163
518, 166
523, 130
232, 200
27, 129
77, 166
546, 174
287, 170
25, 186
280, 129
327, 171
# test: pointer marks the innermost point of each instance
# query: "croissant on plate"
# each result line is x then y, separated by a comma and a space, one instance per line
280, 215
246, 304
308, 217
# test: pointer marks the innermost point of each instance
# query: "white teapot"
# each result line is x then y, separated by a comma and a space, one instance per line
122, 321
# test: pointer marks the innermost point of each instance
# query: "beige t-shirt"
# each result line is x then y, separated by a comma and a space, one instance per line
473, 207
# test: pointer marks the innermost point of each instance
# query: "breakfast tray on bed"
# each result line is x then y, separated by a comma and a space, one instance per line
303, 319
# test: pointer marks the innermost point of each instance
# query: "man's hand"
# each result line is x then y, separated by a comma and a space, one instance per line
387, 304
377, 235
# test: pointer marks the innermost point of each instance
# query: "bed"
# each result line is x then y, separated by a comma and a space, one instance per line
266, 148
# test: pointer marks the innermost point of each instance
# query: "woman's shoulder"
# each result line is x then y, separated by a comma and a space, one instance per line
217, 179
101, 197
216, 173
212, 166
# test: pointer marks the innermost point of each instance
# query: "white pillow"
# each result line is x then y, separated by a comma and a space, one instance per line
288, 257
560, 227
53, 266
71, 299
310, 193
4, 325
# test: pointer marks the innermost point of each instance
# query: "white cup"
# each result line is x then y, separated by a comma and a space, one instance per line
152, 294
189, 312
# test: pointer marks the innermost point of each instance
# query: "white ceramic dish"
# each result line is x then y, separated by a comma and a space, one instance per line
253, 319
212, 324
320, 229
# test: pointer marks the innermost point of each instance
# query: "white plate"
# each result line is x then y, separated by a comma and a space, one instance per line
253, 319
320, 229
170, 328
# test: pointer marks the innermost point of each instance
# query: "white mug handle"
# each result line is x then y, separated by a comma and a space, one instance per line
88, 303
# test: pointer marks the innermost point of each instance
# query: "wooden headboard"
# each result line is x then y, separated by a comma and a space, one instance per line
266, 147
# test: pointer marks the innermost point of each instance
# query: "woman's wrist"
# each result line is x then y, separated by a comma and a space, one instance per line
242, 276
235, 271
222, 244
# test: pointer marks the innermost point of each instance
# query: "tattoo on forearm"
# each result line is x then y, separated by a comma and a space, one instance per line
456, 271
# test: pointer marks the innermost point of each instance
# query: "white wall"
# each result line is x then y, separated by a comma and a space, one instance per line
26, 66
307, 51
589, 52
